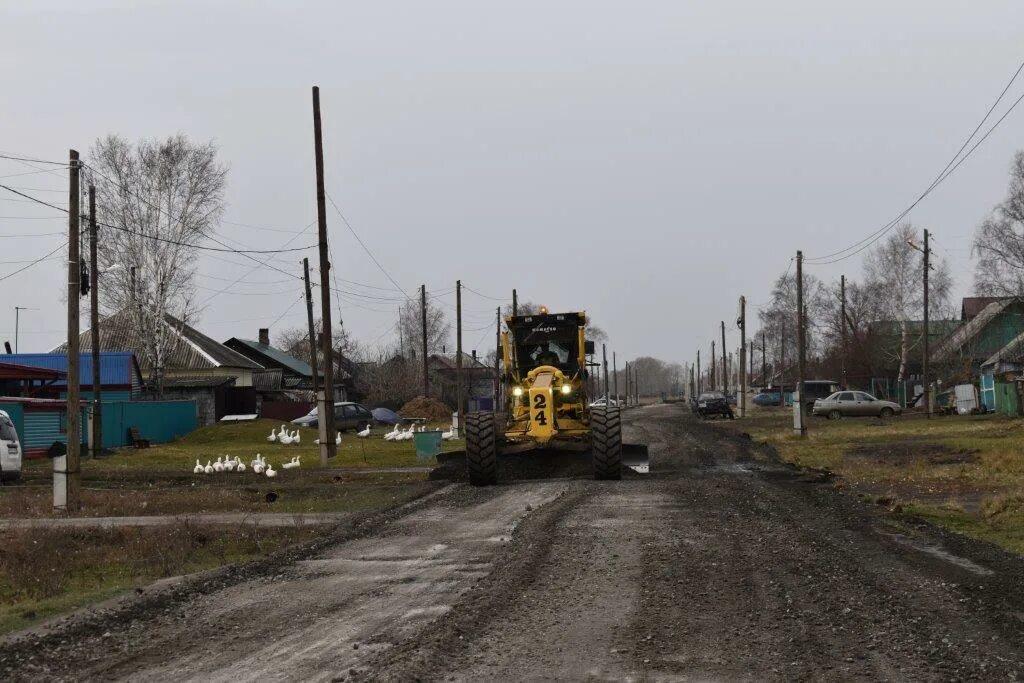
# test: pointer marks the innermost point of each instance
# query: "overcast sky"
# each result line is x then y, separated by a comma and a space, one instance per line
646, 161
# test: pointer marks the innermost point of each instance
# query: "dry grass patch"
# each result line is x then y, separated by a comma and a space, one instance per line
46, 571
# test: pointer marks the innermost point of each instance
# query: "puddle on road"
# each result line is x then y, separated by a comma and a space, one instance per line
942, 554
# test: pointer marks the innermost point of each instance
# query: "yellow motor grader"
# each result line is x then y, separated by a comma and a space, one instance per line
547, 404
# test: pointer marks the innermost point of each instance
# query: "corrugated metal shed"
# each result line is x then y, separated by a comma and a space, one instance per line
116, 368
192, 350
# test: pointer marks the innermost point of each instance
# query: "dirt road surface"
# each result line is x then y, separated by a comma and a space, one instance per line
719, 565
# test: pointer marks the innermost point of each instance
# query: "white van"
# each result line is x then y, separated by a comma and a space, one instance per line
10, 449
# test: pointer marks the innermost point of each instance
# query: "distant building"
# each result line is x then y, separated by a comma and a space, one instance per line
120, 375
478, 380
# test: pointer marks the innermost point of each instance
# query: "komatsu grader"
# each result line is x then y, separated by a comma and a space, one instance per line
546, 405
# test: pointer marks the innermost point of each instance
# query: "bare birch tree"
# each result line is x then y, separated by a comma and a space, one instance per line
156, 200
999, 241
893, 271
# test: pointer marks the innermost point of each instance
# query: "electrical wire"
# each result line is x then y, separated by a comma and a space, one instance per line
200, 247
32, 263
366, 249
288, 310
950, 167
33, 161
492, 298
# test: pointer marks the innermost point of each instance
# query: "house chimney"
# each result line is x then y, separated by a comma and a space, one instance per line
265, 336
7, 345
474, 355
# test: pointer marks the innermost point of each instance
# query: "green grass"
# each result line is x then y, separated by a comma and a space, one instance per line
973, 486
160, 480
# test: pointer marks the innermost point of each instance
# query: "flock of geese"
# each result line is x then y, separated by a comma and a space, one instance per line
259, 465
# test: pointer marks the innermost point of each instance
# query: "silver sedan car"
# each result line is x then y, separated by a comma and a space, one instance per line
854, 404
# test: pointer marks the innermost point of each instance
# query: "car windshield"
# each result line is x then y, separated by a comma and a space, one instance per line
710, 395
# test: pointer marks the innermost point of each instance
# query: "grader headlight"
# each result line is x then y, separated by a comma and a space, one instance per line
566, 389
517, 391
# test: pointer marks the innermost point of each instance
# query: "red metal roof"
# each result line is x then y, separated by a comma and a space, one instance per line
13, 371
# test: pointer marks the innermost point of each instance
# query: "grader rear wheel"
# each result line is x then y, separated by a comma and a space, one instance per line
481, 449
606, 442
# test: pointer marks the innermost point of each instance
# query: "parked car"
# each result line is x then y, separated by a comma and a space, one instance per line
602, 402
10, 449
711, 403
815, 389
347, 415
768, 397
854, 404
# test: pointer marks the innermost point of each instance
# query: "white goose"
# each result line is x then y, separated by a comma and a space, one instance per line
450, 434
258, 465
297, 438
198, 469
285, 439
209, 468
273, 436
364, 433
271, 472
218, 466
390, 436
337, 439
229, 465
239, 465
294, 462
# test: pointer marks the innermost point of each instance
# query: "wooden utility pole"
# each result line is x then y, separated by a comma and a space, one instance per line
799, 422
312, 327
94, 327
782, 356
764, 361
725, 366
325, 399
743, 357
604, 356
497, 359
712, 377
423, 324
67, 469
458, 351
842, 327
615, 377
924, 358
515, 303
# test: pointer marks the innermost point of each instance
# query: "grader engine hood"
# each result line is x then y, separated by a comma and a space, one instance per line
542, 405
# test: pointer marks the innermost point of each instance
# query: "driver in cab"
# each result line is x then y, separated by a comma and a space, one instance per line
545, 356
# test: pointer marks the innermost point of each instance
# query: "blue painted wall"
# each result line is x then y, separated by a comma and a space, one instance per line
158, 421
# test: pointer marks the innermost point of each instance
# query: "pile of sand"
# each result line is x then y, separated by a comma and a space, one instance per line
429, 408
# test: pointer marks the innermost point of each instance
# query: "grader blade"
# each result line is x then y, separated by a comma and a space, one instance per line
635, 457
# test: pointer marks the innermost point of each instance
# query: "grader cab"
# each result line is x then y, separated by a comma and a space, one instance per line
547, 403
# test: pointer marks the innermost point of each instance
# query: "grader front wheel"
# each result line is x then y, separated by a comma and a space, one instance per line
481, 449
606, 442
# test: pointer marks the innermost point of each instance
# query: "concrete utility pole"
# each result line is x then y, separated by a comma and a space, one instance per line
799, 422
325, 399
725, 366
842, 327
627, 383
615, 377
458, 352
423, 324
67, 468
94, 328
924, 358
700, 380
312, 327
497, 360
743, 357
604, 356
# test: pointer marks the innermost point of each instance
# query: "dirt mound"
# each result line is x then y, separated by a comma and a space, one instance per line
905, 452
429, 408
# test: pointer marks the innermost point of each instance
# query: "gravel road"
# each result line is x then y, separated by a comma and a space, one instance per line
722, 564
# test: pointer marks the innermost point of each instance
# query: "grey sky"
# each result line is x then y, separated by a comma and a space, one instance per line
647, 161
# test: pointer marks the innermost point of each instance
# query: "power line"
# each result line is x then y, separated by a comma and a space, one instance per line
492, 298
366, 249
34, 161
950, 167
38, 260
155, 237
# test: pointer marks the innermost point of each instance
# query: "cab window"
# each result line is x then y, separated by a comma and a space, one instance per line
846, 396
861, 396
